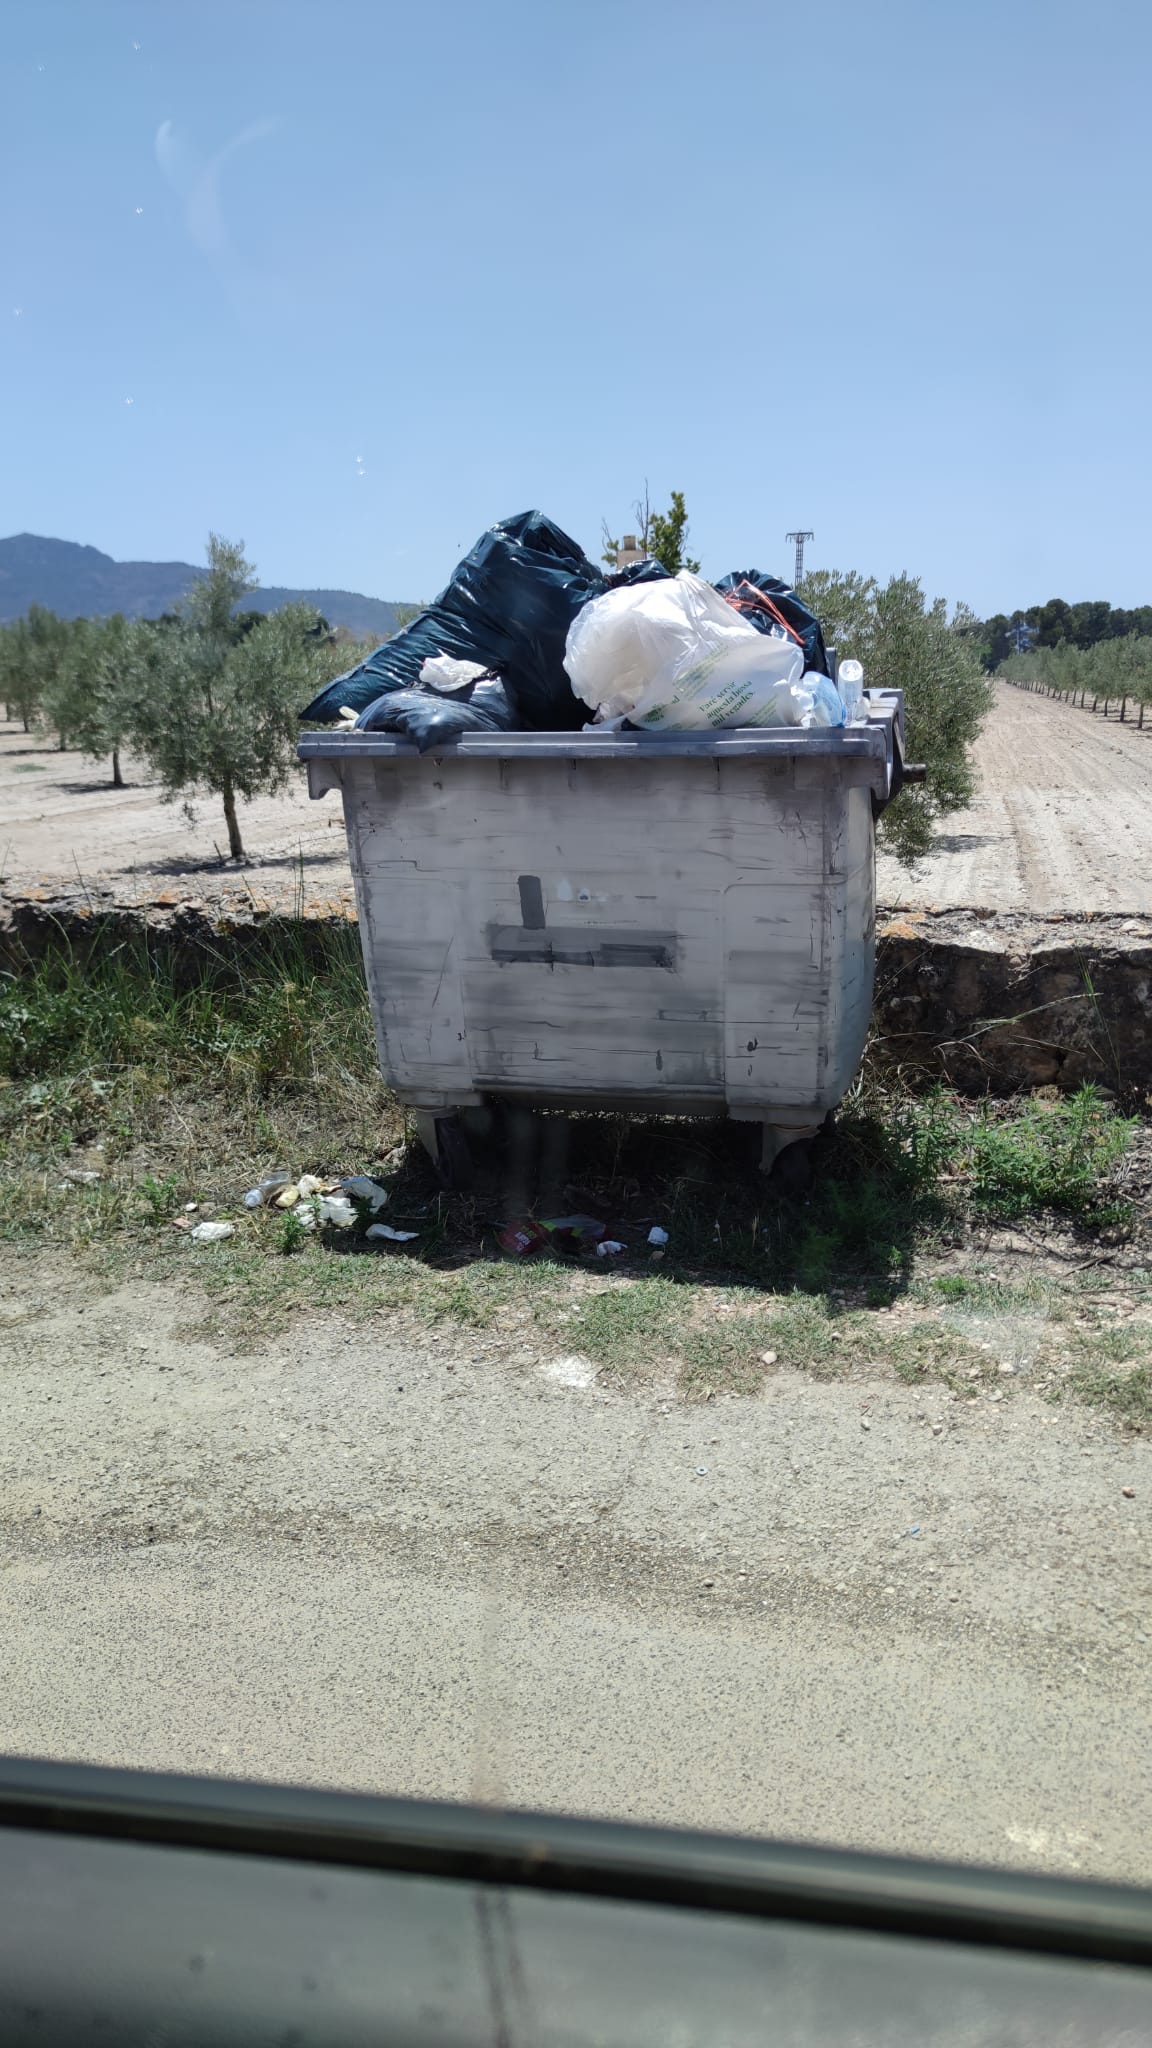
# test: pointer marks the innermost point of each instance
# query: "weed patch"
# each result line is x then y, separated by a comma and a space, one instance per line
138, 1083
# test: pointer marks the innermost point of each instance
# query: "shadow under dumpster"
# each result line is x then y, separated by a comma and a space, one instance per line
683, 1194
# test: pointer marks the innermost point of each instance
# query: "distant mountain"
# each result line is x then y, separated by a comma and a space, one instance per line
80, 582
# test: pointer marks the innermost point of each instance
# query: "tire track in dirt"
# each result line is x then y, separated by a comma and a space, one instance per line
1062, 820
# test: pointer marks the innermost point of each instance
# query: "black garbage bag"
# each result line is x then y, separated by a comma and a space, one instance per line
647, 571
432, 720
769, 605
509, 605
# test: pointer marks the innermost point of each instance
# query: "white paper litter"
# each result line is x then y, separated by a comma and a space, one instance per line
444, 673
366, 1190
212, 1233
394, 1236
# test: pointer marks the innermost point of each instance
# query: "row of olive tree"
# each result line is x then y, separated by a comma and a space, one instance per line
906, 643
210, 695
1112, 672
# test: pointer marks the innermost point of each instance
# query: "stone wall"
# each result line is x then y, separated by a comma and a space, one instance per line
985, 1002
1006, 1002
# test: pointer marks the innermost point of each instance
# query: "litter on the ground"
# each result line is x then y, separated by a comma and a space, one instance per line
521, 1237
364, 1189
609, 1248
212, 1233
657, 1236
568, 1233
573, 1230
393, 1236
314, 1200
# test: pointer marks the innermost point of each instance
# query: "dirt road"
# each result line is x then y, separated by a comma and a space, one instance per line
61, 822
1063, 822
421, 1563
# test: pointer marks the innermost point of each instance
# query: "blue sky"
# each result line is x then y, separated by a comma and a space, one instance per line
374, 275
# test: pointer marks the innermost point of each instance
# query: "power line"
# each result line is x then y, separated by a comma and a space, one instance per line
800, 536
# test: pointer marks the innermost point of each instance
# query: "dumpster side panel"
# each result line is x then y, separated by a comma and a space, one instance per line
414, 984
696, 929
852, 959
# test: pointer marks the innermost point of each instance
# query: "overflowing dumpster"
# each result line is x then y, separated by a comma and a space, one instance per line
676, 923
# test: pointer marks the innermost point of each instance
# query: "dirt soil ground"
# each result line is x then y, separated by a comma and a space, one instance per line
61, 822
1063, 823
437, 1563
1062, 820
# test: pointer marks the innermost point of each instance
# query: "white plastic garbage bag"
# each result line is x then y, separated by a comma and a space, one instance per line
674, 656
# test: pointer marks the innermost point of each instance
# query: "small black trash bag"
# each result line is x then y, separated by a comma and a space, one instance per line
649, 570
509, 606
432, 721
769, 605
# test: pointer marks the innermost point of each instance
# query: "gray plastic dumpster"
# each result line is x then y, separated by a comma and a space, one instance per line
679, 924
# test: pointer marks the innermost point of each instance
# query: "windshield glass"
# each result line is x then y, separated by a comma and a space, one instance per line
575, 916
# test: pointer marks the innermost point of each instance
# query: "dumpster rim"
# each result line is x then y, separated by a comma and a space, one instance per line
869, 742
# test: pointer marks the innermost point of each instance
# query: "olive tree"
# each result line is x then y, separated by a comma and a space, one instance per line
31, 650
100, 679
907, 644
220, 712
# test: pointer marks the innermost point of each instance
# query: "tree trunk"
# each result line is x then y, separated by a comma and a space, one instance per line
117, 778
235, 843
1123, 708
63, 747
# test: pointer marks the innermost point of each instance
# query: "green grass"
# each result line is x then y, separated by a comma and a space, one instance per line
1049, 1155
184, 1077
627, 1324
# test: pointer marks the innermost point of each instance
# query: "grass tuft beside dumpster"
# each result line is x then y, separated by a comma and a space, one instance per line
137, 1082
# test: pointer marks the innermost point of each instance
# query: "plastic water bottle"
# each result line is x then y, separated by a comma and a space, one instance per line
850, 683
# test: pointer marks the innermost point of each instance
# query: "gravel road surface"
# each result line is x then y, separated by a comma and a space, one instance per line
373, 1556
1062, 820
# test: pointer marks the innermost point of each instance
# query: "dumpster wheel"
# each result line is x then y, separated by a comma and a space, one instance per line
445, 1140
791, 1171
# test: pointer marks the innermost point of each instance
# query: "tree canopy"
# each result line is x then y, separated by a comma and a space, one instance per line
907, 644
221, 711
1057, 624
663, 535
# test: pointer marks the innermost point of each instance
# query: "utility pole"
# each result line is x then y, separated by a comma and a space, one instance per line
800, 536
